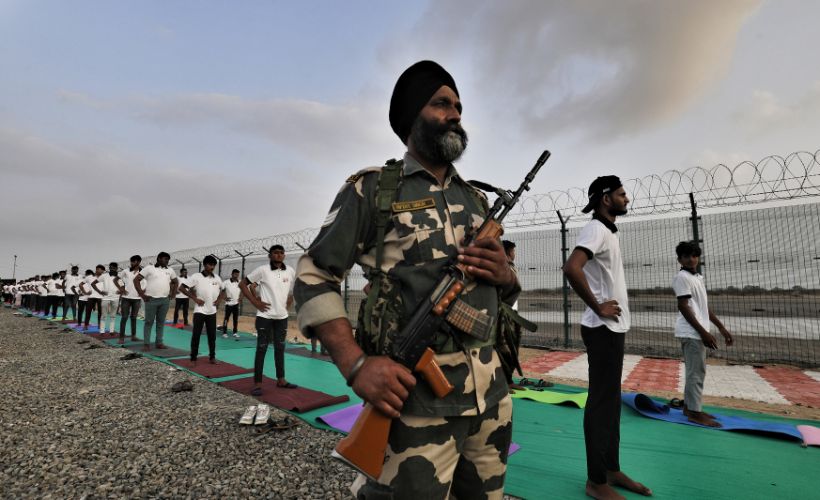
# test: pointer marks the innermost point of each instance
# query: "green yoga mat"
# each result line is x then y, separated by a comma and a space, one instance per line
552, 397
676, 461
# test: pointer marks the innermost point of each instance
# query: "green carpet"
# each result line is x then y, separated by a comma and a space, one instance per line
676, 461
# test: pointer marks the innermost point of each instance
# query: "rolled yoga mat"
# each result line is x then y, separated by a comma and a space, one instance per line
648, 407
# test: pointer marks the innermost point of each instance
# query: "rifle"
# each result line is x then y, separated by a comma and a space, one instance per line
365, 446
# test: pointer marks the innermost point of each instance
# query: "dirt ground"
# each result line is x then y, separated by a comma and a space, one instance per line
791, 411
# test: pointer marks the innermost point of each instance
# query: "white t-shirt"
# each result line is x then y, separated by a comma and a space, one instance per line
206, 288
691, 286
42, 288
86, 280
51, 286
231, 292
182, 281
71, 280
157, 280
92, 279
127, 277
605, 275
274, 286
105, 282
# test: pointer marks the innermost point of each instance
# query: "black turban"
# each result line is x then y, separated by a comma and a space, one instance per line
414, 88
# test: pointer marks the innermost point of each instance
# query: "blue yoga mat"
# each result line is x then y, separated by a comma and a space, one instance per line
648, 407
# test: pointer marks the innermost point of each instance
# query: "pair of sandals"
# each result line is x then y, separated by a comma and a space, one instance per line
534, 384
185, 385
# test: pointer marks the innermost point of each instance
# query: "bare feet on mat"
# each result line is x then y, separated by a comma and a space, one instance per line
701, 418
689, 413
624, 481
146, 348
121, 341
193, 362
161, 346
212, 361
602, 491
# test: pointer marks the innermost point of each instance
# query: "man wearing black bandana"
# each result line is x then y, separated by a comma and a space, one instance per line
596, 272
438, 447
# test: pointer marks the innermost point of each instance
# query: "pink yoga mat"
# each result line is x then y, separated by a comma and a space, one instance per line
299, 399
811, 434
342, 420
206, 369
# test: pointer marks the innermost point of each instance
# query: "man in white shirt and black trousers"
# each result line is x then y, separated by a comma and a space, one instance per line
129, 298
232, 291
71, 286
181, 300
595, 270
206, 290
275, 285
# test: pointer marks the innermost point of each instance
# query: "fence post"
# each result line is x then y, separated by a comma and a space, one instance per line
695, 230
198, 262
242, 276
565, 288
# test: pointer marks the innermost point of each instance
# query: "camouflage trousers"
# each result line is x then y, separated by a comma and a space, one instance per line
441, 457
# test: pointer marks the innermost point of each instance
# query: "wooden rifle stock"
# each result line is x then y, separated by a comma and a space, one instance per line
365, 446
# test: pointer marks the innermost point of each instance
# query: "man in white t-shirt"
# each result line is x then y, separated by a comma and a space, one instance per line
274, 283
94, 296
82, 296
42, 294
54, 296
206, 290
181, 300
71, 286
160, 285
692, 328
129, 298
232, 291
106, 286
595, 270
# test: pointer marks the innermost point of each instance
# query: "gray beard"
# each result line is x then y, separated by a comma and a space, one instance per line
438, 144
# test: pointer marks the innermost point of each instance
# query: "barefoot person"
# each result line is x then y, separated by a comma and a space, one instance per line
129, 298
94, 296
232, 291
275, 286
160, 285
206, 290
692, 328
180, 300
71, 286
596, 272
82, 296
105, 285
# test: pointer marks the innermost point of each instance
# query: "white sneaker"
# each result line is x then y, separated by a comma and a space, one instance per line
102, 331
224, 335
262, 414
247, 417
236, 335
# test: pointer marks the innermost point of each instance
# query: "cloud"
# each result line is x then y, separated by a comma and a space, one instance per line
313, 130
765, 113
91, 204
597, 68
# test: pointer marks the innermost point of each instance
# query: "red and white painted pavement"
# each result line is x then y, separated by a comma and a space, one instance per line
770, 384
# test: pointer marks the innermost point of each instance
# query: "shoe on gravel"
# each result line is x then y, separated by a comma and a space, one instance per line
262, 414
248, 417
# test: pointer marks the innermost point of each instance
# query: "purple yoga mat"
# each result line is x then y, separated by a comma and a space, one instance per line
342, 420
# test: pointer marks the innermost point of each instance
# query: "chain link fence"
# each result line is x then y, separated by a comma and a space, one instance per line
758, 224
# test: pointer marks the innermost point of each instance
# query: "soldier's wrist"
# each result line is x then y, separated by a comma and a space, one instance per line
354, 370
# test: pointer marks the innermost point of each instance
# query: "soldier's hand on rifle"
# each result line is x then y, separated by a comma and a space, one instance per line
485, 259
384, 384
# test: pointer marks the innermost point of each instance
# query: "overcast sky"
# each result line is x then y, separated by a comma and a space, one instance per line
132, 127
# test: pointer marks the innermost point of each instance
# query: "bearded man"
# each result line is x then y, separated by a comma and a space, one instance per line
456, 445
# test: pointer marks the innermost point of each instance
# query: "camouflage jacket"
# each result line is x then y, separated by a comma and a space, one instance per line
427, 223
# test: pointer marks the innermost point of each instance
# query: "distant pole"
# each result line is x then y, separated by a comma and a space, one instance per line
242, 276
200, 264
695, 230
14, 270
565, 288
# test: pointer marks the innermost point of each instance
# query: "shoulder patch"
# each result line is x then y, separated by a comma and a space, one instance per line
408, 206
361, 173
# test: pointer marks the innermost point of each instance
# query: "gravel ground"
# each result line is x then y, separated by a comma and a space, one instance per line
77, 423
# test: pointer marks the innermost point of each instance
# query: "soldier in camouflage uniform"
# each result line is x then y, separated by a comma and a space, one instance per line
456, 445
